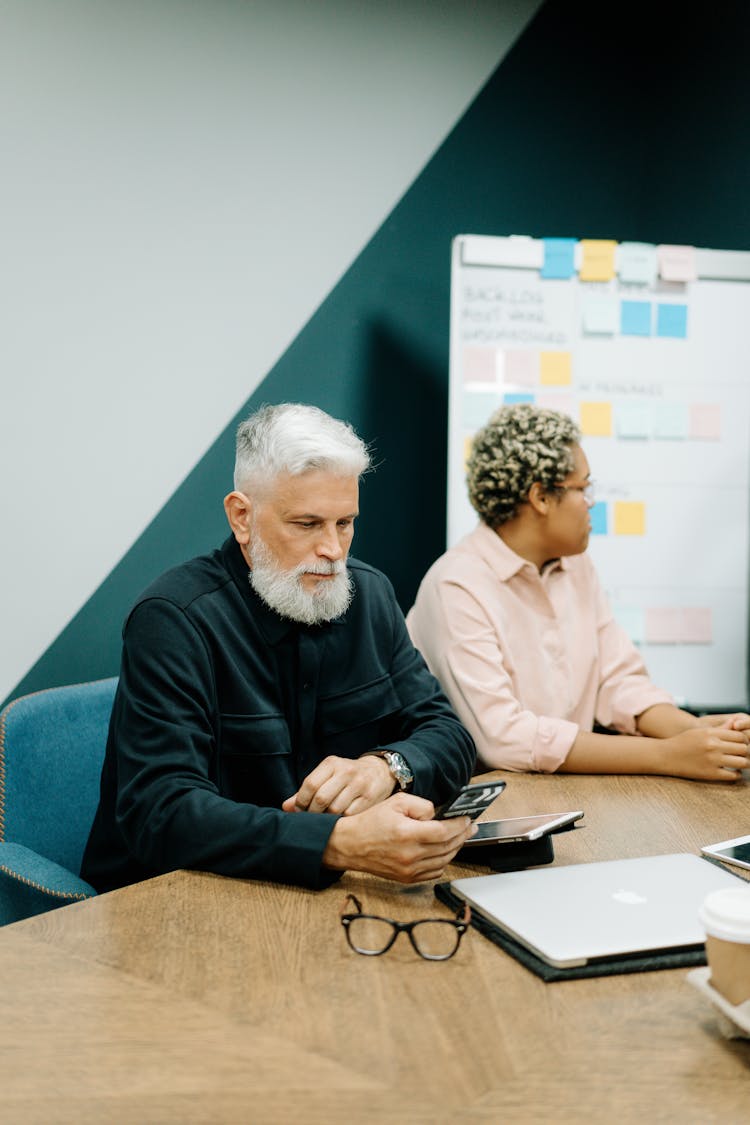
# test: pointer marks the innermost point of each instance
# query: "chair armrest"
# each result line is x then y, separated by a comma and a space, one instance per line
31, 884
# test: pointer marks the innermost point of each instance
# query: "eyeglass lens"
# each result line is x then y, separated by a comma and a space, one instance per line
434, 939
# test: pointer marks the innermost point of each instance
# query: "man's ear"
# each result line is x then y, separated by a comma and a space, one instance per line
539, 498
239, 510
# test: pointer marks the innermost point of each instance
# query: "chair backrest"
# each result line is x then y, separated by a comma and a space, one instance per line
51, 752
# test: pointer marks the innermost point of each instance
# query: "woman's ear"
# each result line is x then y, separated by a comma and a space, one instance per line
539, 498
239, 513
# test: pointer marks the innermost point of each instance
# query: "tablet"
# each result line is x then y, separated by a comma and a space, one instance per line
735, 851
521, 828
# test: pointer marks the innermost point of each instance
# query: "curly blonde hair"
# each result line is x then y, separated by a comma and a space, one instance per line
519, 445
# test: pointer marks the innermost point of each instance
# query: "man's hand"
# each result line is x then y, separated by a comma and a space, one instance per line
343, 785
397, 839
710, 753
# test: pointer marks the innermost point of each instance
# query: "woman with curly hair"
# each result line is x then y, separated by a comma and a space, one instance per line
515, 625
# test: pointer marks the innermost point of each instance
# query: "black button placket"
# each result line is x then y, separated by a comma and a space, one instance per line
310, 650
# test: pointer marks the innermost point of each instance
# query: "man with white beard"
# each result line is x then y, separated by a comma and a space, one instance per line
272, 718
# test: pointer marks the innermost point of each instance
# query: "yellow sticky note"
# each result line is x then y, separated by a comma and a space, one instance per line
468, 445
630, 517
596, 419
555, 369
598, 259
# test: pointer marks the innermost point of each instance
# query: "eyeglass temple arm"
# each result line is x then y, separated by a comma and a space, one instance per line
351, 898
464, 915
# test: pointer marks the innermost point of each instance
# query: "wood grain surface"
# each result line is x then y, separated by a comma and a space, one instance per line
195, 998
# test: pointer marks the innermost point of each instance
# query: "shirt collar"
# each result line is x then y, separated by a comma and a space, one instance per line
502, 560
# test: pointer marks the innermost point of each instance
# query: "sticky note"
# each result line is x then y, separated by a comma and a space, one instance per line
635, 318
598, 259
671, 320
705, 421
596, 419
670, 420
630, 517
600, 314
633, 420
555, 369
676, 263
632, 620
559, 257
636, 262
686, 625
697, 627
512, 397
476, 409
521, 368
598, 517
664, 626
478, 365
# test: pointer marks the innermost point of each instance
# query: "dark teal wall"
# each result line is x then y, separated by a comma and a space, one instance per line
607, 120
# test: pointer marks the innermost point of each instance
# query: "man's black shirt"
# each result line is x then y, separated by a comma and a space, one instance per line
223, 708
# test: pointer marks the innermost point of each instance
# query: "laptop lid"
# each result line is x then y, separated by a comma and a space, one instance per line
571, 915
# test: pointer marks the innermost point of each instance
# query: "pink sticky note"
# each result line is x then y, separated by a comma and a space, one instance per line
697, 626
664, 626
705, 421
522, 367
478, 365
676, 263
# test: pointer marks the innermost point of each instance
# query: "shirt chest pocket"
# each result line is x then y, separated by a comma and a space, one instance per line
255, 759
359, 719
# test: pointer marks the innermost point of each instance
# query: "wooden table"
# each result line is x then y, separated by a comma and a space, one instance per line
194, 998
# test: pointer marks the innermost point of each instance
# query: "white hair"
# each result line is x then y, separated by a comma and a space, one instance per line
295, 438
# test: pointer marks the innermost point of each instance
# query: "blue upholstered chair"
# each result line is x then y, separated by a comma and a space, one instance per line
51, 752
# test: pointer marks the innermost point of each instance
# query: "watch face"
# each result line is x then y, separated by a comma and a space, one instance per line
399, 768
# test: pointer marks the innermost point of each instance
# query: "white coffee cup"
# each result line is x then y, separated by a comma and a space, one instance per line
725, 916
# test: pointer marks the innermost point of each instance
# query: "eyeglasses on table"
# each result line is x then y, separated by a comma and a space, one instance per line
434, 939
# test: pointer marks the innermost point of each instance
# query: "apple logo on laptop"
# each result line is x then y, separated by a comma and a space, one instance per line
631, 898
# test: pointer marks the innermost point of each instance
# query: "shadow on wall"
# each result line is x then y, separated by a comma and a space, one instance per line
402, 524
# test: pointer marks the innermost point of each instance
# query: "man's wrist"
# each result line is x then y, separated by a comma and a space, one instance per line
397, 766
383, 770
333, 856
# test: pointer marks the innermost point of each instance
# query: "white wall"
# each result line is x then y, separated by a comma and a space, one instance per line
167, 165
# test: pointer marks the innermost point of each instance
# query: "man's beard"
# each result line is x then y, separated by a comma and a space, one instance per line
284, 592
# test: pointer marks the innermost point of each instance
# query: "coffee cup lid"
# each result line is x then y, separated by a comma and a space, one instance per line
725, 914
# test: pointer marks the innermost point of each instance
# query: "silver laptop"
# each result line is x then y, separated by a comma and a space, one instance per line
571, 915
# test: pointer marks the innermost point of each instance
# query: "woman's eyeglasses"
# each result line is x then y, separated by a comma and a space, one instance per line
588, 489
435, 939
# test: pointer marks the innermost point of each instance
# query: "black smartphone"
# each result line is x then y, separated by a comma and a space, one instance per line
471, 800
522, 828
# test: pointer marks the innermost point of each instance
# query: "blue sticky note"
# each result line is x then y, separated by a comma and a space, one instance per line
598, 517
559, 257
671, 420
599, 314
671, 320
517, 396
635, 318
633, 420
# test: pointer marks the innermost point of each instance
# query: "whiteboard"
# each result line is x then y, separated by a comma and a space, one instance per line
647, 348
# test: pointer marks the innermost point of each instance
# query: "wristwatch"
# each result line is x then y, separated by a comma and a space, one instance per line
399, 768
